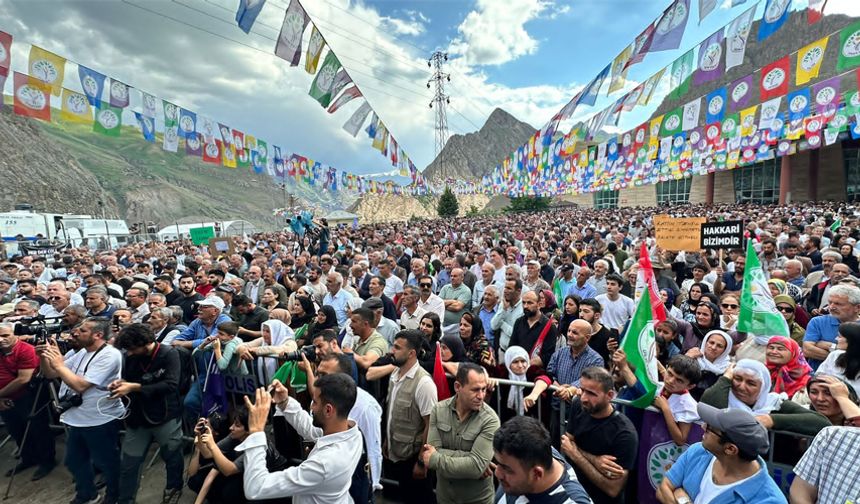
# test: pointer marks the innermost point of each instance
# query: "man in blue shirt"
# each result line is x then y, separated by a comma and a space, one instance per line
726, 467
336, 297
820, 337
580, 287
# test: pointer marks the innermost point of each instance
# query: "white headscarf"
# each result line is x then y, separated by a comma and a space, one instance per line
767, 401
280, 332
515, 395
721, 363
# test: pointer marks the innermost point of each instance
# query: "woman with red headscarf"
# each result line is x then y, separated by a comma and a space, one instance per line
788, 368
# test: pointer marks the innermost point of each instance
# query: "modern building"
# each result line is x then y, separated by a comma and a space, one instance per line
830, 173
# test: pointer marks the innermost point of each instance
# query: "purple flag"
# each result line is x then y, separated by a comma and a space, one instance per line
118, 94
194, 145
657, 453
226, 134
670, 27
710, 59
825, 95
740, 93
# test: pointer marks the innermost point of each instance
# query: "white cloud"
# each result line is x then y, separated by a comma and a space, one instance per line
495, 32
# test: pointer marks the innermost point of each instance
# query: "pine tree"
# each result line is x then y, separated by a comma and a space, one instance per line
448, 206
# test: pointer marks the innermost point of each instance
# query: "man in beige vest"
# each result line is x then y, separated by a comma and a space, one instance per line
411, 398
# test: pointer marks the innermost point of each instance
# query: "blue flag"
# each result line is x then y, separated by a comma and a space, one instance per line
187, 123
371, 128
589, 94
716, 105
93, 84
775, 14
258, 162
798, 104
247, 13
147, 126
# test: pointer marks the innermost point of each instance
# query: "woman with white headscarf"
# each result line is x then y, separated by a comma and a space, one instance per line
716, 348
277, 339
746, 386
516, 362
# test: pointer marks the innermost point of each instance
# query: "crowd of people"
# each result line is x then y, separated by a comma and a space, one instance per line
342, 342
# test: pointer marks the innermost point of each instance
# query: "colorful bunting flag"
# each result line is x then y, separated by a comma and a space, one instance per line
321, 88
619, 70
670, 27
826, 96
147, 126
187, 123
849, 47
212, 153
730, 126
710, 59
48, 68
171, 138
92, 83
812, 129
747, 121
682, 69
815, 11
809, 61
769, 113
356, 120
315, 47
672, 123
247, 13
32, 97
589, 94
641, 45
108, 120
798, 104
737, 35
740, 93
171, 114
5, 50
650, 87
149, 104
692, 111
118, 94
194, 145
4, 72
716, 105
243, 158
705, 8
228, 153
289, 45
775, 14
345, 97
76, 108
238, 141
774, 79
226, 134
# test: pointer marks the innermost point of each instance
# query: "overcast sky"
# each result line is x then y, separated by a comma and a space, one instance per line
528, 57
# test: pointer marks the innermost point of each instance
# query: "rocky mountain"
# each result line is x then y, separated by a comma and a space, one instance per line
473, 155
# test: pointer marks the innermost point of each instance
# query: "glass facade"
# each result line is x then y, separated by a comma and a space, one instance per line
674, 191
852, 173
606, 199
758, 183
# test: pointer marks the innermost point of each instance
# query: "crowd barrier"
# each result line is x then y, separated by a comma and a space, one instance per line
657, 451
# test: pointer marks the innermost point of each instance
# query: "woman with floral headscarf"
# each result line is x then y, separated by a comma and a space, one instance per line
789, 370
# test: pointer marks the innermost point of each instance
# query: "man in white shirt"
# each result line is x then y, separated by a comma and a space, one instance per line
393, 284
617, 308
598, 280
326, 475
412, 313
511, 310
487, 271
428, 301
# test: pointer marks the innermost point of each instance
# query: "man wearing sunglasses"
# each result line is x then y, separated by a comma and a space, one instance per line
726, 467
428, 301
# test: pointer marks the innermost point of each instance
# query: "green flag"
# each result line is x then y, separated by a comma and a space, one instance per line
758, 313
243, 158
640, 346
730, 126
849, 47
559, 295
108, 120
682, 71
836, 225
672, 123
323, 84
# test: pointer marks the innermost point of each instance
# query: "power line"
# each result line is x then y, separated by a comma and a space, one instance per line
464, 117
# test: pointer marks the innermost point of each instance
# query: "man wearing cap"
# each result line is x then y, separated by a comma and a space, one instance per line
533, 280
726, 467
6, 283
384, 325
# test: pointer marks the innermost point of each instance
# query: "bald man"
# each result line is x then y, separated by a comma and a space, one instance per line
564, 370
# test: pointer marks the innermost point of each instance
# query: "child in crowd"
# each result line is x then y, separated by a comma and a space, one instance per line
223, 347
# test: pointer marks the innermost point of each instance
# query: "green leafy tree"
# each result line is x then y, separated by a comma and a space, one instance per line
529, 204
448, 206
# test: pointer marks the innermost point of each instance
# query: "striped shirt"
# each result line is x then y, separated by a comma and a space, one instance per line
830, 464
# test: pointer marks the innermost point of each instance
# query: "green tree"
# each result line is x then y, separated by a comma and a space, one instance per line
448, 206
528, 204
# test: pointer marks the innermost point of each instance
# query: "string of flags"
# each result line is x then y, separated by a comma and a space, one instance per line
103, 100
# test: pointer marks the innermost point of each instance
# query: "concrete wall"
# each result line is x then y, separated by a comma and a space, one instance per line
724, 187
698, 188
642, 196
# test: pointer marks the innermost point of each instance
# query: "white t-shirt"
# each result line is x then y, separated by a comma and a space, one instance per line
393, 286
616, 313
99, 368
829, 367
708, 490
683, 407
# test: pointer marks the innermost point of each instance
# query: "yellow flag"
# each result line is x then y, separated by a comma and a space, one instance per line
619, 70
250, 142
315, 47
76, 108
48, 68
654, 132
228, 155
650, 86
748, 120
809, 61
380, 140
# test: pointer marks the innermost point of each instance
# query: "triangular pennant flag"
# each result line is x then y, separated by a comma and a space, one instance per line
355, 122
774, 79
737, 35
32, 97
315, 48
321, 88
76, 108
118, 94
289, 45
48, 68
775, 14
92, 83
247, 13
108, 120
809, 61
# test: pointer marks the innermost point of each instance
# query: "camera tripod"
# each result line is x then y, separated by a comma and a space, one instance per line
35, 410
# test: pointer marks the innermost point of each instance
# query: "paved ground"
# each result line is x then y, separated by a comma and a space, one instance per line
58, 488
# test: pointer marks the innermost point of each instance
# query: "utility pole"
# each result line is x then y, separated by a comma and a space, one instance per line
440, 100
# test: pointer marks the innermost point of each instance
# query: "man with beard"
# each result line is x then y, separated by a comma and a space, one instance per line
509, 312
594, 430
603, 339
535, 332
26, 289
164, 285
316, 284
729, 281
188, 298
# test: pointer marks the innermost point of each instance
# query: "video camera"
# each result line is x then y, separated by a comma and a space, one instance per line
309, 351
40, 327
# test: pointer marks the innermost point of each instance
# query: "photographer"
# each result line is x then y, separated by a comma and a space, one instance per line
150, 379
87, 410
18, 363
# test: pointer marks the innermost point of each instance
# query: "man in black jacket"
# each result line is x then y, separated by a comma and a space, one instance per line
150, 380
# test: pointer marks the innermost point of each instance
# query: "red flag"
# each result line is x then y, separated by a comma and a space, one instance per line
238, 140
813, 126
32, 97
212, 152
5, 50
774, 79
646, 279
815, 11
439, 378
